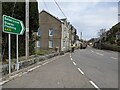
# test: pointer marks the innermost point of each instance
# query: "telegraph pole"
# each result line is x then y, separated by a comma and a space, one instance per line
1, 41
81, 35
118, 11
27, 29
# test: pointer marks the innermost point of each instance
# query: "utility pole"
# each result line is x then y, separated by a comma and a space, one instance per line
1, 41
118, 11
81, 35
27, 29
0, 29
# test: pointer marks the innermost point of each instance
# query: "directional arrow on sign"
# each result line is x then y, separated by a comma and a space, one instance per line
12, 25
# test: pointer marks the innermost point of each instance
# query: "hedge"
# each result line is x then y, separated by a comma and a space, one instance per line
110, 47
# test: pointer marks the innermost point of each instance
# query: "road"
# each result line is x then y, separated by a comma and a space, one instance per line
99, 66
86, 68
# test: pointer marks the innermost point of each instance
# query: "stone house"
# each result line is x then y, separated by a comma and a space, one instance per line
54, 34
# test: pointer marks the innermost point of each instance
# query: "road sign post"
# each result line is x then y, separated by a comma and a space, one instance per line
17, 63
9, 35
12, 26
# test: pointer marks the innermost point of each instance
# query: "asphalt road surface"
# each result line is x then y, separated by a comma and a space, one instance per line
86, 68
99, 66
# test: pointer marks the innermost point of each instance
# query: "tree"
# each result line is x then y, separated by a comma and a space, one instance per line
111, 34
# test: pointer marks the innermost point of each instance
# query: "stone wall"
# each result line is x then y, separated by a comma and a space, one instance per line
26, 63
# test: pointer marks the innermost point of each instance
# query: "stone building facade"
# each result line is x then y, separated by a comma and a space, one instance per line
54, 34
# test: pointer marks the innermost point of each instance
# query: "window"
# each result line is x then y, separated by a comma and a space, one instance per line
63, 43
50, 43
38, 44
50, 32
38, 33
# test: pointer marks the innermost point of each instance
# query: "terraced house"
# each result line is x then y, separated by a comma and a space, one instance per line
55, 34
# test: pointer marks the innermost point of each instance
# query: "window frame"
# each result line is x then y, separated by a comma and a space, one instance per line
50, 43
38, 44
51, 31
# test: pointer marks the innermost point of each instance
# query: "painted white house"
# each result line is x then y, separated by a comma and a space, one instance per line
65, 41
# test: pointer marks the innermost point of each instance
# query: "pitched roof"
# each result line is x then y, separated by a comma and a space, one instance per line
51, 15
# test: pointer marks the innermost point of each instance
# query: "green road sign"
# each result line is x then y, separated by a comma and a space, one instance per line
12, 25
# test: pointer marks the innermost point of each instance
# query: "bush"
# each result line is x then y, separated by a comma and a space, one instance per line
111, 47
118, 43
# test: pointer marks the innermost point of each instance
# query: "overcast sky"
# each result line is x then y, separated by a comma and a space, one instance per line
87, 17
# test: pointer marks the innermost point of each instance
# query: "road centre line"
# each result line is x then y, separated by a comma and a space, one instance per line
74, 63
113, 57
92, 51
81, 71
84, 73
99, 53
94, 85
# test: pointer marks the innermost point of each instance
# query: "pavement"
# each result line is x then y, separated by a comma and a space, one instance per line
86, 68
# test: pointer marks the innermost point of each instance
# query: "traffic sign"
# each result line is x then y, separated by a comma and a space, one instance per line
12, 25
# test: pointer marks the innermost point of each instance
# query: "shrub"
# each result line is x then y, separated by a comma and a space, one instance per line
111, 47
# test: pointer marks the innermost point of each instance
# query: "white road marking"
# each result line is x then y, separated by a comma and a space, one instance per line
30, 69
35, 67
71, 59
99, 51
45, 63
94, 85
99, 54
92, 51
11, 77
58, 82
113, 57
81, 71
74, 63
27, 71
22, 74
0, 79
1, 83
